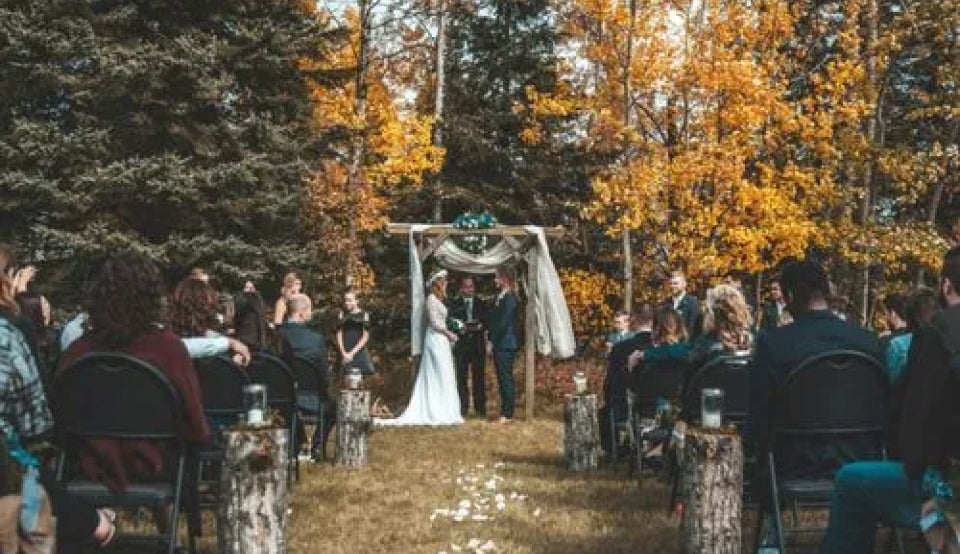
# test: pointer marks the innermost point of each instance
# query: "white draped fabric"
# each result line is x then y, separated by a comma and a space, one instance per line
554, 331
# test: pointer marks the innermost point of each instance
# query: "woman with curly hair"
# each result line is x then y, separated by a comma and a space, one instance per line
192, 313
727, 325
124, 309
292, 286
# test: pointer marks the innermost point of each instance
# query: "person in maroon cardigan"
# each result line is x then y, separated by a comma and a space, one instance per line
124, 306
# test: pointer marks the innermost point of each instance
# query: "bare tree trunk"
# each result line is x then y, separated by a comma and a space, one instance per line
581, 433
866, 205
358, 147
252, 510
627, 109
438, 105
712, 482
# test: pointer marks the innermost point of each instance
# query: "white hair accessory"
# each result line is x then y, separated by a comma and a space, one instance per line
437, 275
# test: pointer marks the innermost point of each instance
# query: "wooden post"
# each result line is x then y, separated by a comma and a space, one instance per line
712, 483
530, 339
581, 432
353, 428
252, 509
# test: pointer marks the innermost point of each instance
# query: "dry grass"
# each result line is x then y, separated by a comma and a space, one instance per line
387, 506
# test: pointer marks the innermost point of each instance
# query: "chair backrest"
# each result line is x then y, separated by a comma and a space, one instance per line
731, 374
221, 385
271, 371
309, 375
116, 395
832, 393
656, 380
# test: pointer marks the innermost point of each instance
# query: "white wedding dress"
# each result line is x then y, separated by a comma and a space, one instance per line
435, 400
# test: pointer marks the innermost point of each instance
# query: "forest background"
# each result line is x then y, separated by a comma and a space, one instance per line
254, 137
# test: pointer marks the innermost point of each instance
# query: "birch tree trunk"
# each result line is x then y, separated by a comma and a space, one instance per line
353, 428
438, 104
358, 148
712, 485
252, 510
581, 434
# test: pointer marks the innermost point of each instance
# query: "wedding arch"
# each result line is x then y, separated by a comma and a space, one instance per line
547, 319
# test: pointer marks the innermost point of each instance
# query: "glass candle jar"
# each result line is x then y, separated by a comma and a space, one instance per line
580, 382
711, 408
255, 403
354, 377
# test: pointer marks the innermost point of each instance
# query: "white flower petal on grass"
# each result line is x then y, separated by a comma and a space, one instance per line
456, 548
474, 543
499, 465
491, 485
536, 513
480, 517
464, 504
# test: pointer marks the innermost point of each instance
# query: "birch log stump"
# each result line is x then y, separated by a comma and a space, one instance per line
353, 428
252, 509
712, 484
581, 434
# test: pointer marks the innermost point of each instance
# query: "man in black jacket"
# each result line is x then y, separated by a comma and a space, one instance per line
618, 375
815, 330
687, 305
895, 492
470, 351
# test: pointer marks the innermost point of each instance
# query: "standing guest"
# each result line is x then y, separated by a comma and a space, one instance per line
775, 312
621, 331
815, 330
727, 326
502, 339
353, 334
617, 380
469, 351
26, 419
124, 307
199, 274
304, 341
14, 281
250, 323
8, 257
291, 285
193, 314
685, 304
899, 493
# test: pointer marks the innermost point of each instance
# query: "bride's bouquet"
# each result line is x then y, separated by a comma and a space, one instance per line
454, 325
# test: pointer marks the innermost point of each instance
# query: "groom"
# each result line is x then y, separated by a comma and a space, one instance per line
470, 351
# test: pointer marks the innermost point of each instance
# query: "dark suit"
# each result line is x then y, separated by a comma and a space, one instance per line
501, 327
470, 353
618, 381
689, 311
303, 341
778, 352
770, 317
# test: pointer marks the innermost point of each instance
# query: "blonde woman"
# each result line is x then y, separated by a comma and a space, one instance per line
435, 400
727, 325
292, 286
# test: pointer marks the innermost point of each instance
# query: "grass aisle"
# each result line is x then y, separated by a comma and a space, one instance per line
387, 507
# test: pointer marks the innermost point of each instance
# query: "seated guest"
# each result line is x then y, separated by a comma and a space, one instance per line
896, 493
895, 314
124, 307
618, 375
919, 310
815, 330
670, 341
727, 326
193, 314
303, 341
25, 420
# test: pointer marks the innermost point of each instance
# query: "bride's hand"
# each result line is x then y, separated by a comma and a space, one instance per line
453, 337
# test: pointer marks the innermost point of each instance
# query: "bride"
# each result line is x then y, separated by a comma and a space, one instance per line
435, 400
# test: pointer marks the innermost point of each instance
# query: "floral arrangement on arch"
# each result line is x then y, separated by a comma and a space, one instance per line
474, 244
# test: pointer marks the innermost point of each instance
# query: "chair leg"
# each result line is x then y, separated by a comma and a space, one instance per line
613, 436
898, 537
175, 510
758, 534
775, 497
796, 514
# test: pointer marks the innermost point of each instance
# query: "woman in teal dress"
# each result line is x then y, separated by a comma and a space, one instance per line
353, 334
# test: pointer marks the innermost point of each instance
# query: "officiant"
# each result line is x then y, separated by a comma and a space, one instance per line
470, 351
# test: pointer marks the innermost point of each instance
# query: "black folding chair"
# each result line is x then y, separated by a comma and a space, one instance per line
654, 383
828, 398
312, 384
272, 372
221, 388
118, 396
